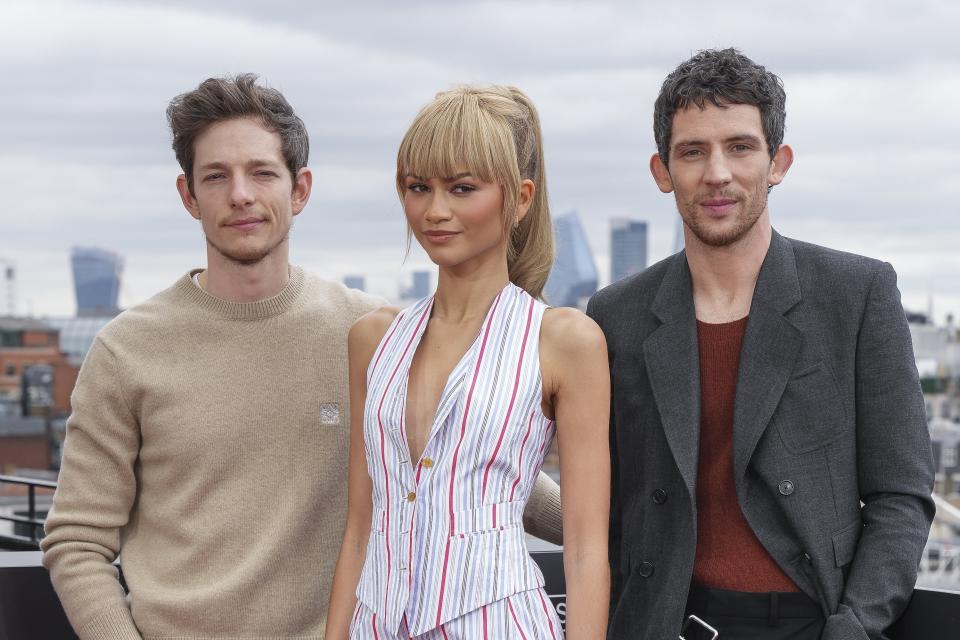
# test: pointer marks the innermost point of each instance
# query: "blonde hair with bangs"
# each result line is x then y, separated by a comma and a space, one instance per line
494, 133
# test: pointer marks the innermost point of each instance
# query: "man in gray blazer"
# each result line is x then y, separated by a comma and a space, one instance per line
771, 469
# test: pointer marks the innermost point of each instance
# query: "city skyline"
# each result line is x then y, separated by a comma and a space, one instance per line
87, 154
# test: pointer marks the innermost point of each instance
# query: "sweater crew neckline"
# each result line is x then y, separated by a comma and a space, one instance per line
257, 310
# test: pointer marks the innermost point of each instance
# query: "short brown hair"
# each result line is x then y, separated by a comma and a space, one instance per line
219, 99
720, 77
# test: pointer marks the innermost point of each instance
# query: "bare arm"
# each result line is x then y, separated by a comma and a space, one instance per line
362, 342
577, 386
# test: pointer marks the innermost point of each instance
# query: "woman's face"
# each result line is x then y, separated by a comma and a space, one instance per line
457, 219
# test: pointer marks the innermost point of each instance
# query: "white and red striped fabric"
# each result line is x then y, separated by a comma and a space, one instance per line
447, 535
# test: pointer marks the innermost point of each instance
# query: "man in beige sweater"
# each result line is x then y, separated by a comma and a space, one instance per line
209, 436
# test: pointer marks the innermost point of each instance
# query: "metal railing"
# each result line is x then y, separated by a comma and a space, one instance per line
34, 524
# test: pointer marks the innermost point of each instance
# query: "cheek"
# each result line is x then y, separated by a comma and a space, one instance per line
412, 212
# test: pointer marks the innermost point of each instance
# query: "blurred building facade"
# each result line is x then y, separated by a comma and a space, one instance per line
355, 282
628, 247
96, 280
573, 278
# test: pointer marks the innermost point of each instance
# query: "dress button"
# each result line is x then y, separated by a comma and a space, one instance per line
646, 569
411, 496
786, 487
427, 463
659, 496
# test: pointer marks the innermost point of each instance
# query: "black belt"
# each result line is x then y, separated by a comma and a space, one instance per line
772, 606
744, 604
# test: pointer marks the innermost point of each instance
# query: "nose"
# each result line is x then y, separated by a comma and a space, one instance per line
438, 209
717, 170
241, 192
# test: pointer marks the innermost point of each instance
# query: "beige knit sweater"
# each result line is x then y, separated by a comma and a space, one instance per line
209, 442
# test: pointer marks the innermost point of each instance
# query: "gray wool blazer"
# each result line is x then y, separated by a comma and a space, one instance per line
832, 458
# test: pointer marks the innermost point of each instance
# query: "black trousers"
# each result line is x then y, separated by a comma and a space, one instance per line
737, 615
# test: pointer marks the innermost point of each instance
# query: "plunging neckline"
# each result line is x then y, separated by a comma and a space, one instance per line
455, 376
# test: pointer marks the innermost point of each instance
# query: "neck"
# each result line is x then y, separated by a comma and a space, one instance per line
724, 277
235, 282
463, 296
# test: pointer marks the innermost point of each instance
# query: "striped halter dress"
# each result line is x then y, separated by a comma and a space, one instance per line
447, 556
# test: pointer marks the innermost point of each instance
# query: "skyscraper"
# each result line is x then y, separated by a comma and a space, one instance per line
420, 288
628, 247
96, 280
355, 282
573, 278
678, 241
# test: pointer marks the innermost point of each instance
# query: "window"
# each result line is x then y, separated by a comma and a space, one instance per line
11, 339
10, 369
949, 457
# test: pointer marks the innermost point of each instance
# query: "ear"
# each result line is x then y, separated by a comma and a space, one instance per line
302, 186
527, 190
661, 175
782, 160
189, 201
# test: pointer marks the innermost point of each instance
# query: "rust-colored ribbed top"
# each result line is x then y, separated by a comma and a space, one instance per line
729, 555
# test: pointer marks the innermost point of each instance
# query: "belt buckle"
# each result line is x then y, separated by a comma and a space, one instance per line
693, 618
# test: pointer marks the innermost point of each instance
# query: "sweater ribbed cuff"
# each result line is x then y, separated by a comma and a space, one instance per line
114, 624
543, 517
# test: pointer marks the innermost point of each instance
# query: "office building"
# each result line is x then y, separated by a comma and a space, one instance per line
96, 280
420, 288
573, 278
628, 247
355, 282
678, 242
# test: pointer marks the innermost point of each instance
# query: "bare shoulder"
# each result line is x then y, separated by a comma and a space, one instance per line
367, 332
568, 333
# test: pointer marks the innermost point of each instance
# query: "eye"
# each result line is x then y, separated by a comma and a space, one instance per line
417, 187
266, 173
463, 189
740, 148
210, 177
691, 153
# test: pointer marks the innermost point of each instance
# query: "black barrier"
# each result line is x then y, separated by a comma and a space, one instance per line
30, 610
554, 582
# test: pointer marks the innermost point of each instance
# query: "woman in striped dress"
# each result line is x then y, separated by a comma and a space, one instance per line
462, 394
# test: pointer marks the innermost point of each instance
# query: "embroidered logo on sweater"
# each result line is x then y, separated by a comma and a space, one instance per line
329, 413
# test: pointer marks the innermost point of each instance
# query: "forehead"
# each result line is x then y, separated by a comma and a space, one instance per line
715, 123
236, 140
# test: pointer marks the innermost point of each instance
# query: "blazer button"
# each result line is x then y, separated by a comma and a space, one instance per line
786, 487
646, 569
659, 496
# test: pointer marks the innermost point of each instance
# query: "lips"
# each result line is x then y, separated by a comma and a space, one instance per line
246, 224
438, 236
718, 206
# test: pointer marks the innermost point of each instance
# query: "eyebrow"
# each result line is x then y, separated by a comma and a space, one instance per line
459, 176
740, 137
256, 162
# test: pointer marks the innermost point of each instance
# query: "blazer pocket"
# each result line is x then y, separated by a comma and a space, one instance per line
845, 543
810, 414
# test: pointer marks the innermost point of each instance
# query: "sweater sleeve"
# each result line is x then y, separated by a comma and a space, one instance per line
95, 492
542, 517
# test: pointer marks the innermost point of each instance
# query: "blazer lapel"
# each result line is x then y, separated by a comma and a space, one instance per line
673, 366
770, 348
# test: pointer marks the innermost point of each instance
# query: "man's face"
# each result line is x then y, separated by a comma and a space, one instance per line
243, 194
719, 171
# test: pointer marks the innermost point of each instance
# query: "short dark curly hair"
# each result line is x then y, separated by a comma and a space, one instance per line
720, 77
220, 99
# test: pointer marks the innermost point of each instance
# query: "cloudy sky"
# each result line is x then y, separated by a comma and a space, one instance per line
872, 114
